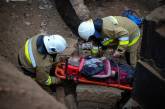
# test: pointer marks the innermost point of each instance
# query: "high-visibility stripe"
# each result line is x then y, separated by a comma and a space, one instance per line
135, 39
123, 42
27, 52
31, 53
107, 42
124, 39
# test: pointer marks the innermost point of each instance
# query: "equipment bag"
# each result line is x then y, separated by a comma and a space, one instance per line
132, 16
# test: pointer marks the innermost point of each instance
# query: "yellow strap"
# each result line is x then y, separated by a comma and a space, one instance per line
134, 40
123, 42
27, 52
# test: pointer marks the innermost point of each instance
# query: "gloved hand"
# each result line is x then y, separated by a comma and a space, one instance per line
94, 51
52, 80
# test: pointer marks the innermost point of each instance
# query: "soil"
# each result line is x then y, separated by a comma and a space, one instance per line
103, 8
18, 91
97, 97
19, 21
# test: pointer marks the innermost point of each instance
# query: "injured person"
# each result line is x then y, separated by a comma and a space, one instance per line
103, 69
107, 70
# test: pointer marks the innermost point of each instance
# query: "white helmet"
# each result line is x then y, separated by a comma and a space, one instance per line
55, 44
86, 29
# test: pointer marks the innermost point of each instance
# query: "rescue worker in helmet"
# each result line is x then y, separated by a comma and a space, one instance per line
112, 29
36, 57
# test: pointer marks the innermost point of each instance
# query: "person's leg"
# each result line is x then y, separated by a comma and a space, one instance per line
133, 58
134, 53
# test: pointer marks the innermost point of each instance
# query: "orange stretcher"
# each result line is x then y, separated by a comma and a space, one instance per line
74, 74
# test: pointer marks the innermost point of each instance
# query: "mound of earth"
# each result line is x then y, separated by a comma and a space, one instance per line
18, 91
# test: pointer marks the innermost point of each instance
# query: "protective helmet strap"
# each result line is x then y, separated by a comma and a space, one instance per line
41, 46
98, 23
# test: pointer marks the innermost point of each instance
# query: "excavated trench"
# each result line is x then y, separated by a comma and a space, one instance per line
20, 20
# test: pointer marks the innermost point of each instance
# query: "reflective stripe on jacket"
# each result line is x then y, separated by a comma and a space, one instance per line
136, 38
29, 53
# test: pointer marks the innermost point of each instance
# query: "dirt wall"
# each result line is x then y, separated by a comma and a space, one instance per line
18, 91
152, 3
73, 12
76, 11
20, 21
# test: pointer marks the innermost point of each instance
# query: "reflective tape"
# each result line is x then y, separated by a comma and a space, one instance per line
124, 39
31, 53
123, 42
107, 42
135, 39
27, 52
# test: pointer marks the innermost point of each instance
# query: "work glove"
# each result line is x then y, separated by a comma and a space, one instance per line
52, 80
94, 51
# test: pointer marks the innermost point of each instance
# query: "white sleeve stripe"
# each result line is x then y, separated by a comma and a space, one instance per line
124, 38
31, 53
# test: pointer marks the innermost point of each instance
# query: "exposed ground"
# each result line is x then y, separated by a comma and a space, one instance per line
20, 21
97, 97
103, 8
21, 92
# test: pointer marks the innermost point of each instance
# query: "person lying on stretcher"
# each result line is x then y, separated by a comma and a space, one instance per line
103, 68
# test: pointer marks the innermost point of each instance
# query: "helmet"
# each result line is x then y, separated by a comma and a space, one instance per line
86, 29
55, 44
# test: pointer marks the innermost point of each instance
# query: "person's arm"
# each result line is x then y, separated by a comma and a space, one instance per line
43, 77
123, 37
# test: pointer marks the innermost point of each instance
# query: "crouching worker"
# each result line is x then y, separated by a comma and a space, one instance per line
39, 54
113, 29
